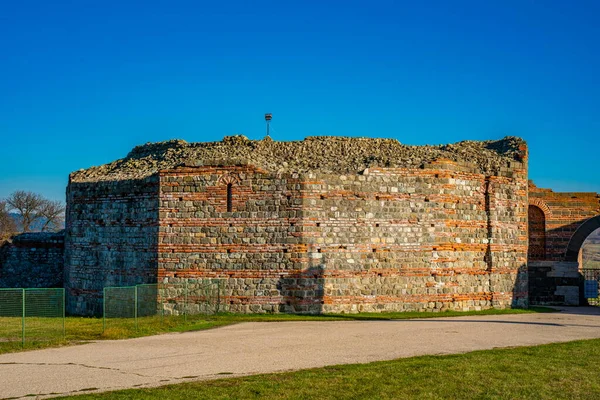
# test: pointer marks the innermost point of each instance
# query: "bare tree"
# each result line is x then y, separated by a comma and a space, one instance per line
53, 214
7, 222
35, 211
28, 205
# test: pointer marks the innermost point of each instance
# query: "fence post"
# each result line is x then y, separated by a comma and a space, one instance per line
135, 311
23, 320
185, 301
218, 295
103, 309
63, 314
160, 304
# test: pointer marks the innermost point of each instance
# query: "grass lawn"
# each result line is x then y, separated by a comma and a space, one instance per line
555, 371
47, 332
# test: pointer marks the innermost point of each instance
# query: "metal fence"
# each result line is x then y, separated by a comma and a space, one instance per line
146, 306
591, 278
32, 315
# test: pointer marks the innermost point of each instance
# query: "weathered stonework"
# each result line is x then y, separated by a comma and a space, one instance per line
32, 260
111, 239
321, 225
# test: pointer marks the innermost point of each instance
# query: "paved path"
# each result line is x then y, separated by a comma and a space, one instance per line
251, 348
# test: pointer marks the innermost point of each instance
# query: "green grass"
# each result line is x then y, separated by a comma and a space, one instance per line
589, 264
80, 330
555, 371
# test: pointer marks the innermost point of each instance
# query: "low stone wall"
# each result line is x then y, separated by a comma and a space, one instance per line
32, 260
554, 283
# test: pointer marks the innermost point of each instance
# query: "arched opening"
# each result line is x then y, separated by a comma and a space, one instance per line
537, 234
589, 254
589, 267
229, 197
579, 237
228, 181
584, 248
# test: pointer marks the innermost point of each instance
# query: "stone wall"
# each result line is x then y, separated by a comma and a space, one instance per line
434, 238
32, 260
111, 239
378, 227
554, 283
257, 246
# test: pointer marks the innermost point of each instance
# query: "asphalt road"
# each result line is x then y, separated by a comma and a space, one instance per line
260, 347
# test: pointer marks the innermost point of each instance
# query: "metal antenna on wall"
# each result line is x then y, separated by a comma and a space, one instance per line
268, 118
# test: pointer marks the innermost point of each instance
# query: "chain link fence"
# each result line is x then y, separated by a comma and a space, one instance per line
32, 315
144, 307
591, 284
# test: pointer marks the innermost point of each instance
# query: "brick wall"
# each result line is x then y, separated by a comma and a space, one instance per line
564, 213
555, 217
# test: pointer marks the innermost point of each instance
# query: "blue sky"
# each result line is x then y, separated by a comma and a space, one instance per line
82, 82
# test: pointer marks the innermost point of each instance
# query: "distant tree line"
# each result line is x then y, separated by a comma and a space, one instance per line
25, 211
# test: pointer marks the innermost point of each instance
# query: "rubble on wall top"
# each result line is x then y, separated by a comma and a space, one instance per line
326, 154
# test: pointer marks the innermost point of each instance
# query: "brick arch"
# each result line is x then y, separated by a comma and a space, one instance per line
229, 179
541, 205
536, 232
579, 237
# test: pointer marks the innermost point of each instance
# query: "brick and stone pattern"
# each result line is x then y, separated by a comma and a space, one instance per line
391, 228
257, 246
554, 219
32, 260
441, 237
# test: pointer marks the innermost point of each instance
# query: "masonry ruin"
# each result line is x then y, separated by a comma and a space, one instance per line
327, 224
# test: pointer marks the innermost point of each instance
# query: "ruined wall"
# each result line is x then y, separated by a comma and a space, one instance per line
111, 239
256, 246
32, 260
437, 238
553, 278
320, 225
441, 237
